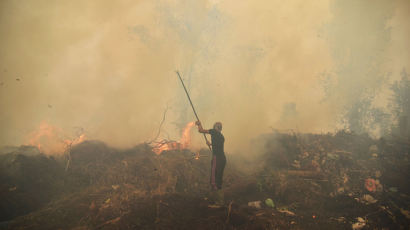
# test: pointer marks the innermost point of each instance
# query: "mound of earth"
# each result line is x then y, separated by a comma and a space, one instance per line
331, 181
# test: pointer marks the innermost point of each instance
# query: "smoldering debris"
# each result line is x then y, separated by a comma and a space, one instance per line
302, 181
29, 180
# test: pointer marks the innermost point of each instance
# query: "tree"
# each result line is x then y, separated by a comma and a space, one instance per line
400, 103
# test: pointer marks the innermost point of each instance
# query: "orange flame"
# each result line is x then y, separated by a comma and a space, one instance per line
49, 139
186, 138
183, 143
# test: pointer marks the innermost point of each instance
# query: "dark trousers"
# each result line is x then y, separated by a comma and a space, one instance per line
217, 170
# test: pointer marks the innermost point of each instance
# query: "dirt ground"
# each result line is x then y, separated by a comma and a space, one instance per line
329, 181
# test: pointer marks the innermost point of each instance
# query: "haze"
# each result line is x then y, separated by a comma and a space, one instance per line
109, 66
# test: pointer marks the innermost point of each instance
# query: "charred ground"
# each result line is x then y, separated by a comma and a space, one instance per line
315, 181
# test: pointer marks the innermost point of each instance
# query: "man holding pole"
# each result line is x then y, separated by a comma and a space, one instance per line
218, 157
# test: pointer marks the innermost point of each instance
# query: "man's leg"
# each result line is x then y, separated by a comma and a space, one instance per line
219, 176
220, 167
213, 172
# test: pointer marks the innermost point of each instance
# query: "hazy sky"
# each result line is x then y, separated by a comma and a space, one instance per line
109, 66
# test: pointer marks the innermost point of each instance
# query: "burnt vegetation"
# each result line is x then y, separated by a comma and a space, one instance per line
341, 180
314, 181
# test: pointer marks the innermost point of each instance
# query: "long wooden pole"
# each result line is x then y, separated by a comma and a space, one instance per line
192, 105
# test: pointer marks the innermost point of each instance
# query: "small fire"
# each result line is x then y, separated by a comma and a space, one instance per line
75, 141
183, 143
50, 139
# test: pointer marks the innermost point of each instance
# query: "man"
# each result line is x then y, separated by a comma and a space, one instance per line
218, 157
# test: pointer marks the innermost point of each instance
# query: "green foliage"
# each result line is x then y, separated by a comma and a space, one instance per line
400, 100
363, 117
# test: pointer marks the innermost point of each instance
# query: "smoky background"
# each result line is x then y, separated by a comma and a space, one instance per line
109, 68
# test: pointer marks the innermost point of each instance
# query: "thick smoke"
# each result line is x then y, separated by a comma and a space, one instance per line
108, 67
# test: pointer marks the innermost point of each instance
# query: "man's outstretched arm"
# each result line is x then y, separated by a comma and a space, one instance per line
200, 129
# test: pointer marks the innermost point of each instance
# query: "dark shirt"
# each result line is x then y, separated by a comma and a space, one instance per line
218, 141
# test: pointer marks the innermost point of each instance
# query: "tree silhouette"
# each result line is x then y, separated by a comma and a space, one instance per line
400, 103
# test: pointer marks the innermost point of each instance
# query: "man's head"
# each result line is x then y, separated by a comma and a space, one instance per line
218, 126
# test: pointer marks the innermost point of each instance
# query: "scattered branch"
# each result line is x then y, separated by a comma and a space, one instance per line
229, 212
160, 126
